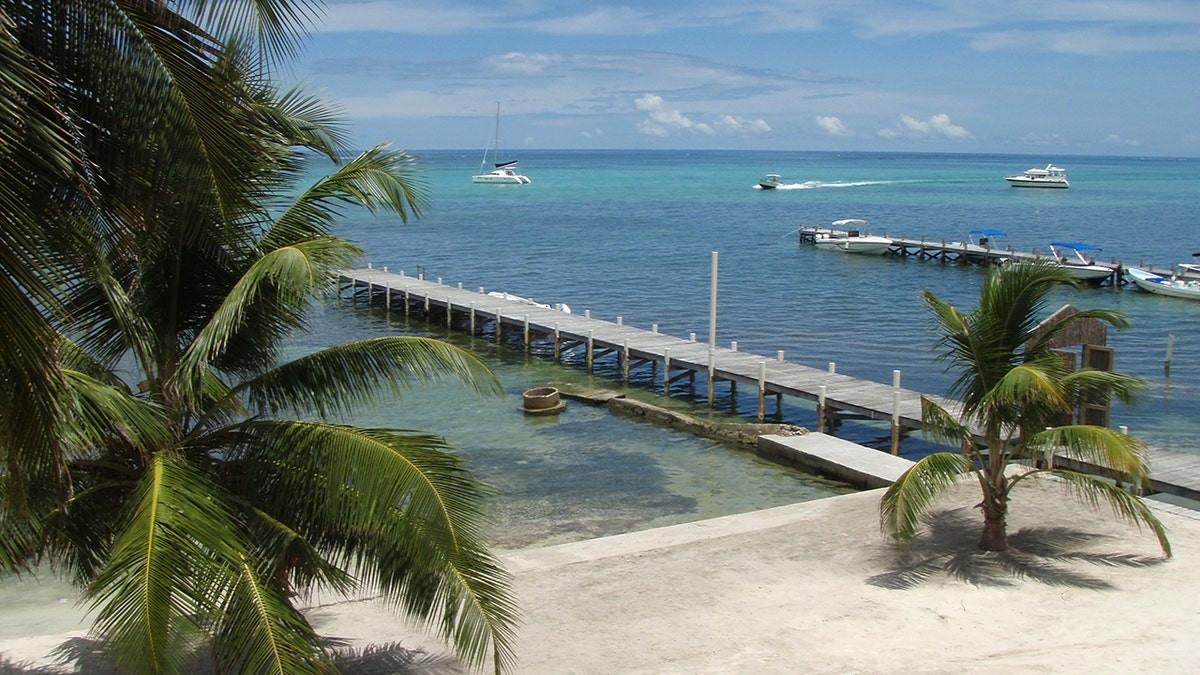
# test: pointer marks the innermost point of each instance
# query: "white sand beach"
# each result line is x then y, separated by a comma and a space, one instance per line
805, 588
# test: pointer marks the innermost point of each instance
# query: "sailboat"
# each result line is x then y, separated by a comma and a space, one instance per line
503, 173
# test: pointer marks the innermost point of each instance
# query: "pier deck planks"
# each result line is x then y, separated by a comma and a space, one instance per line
1172, 472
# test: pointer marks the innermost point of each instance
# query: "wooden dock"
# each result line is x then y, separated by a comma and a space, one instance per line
965, 252
671, 359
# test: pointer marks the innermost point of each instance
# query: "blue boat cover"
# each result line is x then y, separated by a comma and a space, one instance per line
1075, 245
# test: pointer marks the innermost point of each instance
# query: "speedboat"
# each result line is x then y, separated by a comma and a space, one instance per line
1049, 177
1175, 286
770, 181
852, 240
1077, 264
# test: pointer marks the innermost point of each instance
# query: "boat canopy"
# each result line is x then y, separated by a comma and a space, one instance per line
849, 221
1075, 245
506, 165
989, 233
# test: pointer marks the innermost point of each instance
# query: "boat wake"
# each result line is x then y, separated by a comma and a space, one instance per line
818, 184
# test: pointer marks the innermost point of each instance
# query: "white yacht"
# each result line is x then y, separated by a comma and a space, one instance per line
1049, 177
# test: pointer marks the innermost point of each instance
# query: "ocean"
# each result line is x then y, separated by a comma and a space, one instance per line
630, 235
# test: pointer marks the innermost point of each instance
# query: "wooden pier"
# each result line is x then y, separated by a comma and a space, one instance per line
672, 358
966, 252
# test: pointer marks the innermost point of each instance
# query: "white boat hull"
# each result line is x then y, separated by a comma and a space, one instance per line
502, 178
862, 245
1176, 288
1088, 273
1021, 181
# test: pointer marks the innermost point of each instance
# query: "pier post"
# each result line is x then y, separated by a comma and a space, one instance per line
762, 389
387, 298
590, 346
472, 319
499, 324
666, 371
895, 412
711, 370
832, 368
557, 343
528, 346
625, 358
406, 301
821, 409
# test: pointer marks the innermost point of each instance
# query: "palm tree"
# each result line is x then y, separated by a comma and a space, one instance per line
182, 474
1016, 394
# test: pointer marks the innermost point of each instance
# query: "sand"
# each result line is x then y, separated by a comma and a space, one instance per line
815, 588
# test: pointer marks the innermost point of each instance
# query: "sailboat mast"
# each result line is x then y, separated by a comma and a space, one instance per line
496, 151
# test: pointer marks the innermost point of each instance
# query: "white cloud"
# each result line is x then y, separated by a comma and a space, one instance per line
662, 122
936, 126
832, 126
743, 126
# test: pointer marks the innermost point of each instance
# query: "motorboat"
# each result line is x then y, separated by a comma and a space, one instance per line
502, 173
1175, 286
770, 181
1049, 177
981, 245
1070, 255
851, 240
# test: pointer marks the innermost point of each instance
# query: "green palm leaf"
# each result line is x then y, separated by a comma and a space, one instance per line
397, 509
175, 546
915, 490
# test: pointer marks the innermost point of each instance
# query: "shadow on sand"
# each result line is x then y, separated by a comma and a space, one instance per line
1048, 555
84, 655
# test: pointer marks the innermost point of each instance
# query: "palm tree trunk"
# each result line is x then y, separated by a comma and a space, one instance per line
995, 521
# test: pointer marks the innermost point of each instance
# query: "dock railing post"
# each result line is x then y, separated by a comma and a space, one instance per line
666, 371
762, 389
895, 412
625, 358
821, 409
711, 372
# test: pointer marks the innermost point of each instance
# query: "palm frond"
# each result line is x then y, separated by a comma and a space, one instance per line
1101, 446
260, 632
335, 380
906, 500
941, 425
378, 180
172, 551
1095, 491
398, 508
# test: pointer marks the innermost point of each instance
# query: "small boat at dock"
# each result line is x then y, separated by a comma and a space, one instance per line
1077, 264
851, 240
1183, 283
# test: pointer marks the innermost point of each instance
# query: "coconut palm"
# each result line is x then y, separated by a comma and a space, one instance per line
1017, 396
182, 473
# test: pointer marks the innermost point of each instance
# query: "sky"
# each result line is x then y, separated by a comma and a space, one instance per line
1044, 77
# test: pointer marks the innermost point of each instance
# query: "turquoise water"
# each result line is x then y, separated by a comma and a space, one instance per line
630, 234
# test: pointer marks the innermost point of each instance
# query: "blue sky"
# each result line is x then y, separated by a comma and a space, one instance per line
1045, 77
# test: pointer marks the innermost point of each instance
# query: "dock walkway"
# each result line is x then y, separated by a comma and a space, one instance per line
836, 395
